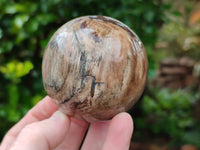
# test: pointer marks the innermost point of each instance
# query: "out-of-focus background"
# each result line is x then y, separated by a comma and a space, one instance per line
168, 115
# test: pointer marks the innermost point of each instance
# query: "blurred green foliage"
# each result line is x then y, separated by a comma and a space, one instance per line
180, 34
181, 39
26, 26
170, 113
14, 70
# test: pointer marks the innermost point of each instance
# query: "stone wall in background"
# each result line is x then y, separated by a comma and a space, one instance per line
177, 73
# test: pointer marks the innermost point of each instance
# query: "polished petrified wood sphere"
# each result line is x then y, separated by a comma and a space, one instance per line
94, 67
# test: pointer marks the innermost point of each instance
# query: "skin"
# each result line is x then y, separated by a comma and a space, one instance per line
46, 128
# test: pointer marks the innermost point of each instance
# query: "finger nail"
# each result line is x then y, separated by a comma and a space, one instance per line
58, 115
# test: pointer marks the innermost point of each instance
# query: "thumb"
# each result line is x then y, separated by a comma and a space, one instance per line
43, 135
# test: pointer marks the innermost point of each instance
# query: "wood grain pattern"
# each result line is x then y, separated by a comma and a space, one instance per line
94, 67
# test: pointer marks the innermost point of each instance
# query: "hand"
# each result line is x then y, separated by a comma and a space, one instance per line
45, 128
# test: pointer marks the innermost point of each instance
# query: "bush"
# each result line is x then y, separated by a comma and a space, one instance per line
170, 114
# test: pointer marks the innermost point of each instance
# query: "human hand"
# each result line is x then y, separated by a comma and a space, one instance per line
45, 128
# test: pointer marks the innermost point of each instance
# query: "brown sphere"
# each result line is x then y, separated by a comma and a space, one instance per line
94, 67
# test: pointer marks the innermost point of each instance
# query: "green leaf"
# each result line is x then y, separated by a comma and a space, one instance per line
177, 13
33, 25
150, 105
149, 16
36, 99
45, 18
27, 7
19, 20
15, 70
13, 94
23, 68
1, 33
14, 8
2, 111
22, 35
13, 115
6, 47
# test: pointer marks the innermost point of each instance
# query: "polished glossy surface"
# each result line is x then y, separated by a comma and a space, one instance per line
94, 67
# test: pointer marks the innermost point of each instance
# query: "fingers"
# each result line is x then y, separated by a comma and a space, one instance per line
44, 109
74, 137
119, 133
67, 133
115, 134
96, 136
46, 134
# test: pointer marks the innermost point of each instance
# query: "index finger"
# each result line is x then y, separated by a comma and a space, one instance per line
43, 110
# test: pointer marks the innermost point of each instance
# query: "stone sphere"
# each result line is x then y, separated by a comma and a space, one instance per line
94, 67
